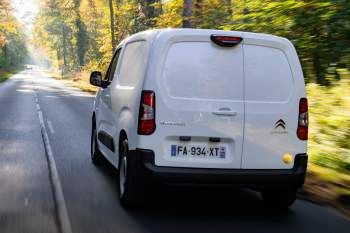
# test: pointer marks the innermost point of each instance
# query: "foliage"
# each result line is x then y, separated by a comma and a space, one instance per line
329, 144
78, 32
60, 28
5, 74
171, 15
320, 29
12, 46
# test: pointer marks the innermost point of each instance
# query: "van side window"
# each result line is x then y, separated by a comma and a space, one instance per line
133, 63
114, 64
268, 76
105, 77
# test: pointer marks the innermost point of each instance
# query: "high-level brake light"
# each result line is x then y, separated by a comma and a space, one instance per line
226, 41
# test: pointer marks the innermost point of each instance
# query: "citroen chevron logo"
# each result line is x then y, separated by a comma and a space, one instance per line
280, 123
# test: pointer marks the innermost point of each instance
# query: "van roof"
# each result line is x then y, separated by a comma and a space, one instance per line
169, 32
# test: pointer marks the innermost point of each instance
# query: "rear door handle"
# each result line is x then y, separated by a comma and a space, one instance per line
225, 113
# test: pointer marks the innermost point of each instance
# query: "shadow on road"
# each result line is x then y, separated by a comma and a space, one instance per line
187, 209
207, 210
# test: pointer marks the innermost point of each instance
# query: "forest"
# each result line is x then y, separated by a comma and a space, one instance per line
13, 50
82, 34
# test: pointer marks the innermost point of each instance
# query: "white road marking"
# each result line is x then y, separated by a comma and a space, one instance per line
36, 100
60, 203
25, 201
52, 131
41, 118
37, 107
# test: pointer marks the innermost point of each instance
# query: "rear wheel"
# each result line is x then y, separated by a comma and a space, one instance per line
279, 198
96, 155
131, 188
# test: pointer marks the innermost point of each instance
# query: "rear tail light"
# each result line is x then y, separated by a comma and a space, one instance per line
147, 123
303, 121
226, 41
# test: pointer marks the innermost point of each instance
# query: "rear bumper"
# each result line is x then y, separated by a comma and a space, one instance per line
252, 178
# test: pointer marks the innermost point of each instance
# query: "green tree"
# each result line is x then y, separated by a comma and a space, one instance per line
13, 50
319, 29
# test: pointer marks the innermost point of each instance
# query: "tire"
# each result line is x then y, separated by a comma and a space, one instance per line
96, 155
131, 188
279, 198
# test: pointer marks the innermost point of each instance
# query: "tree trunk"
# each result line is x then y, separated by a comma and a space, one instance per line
197, 13
111, 13
245, 12
148, 11
64, 35
318, 69
4, 50
81, 34
186, 14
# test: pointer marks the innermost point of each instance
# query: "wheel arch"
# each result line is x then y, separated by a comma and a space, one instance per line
122, 136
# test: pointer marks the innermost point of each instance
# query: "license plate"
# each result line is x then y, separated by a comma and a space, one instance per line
198, 151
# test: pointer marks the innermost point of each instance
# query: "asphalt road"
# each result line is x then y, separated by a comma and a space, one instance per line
27, 202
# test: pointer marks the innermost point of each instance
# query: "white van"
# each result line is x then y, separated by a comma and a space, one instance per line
203, 107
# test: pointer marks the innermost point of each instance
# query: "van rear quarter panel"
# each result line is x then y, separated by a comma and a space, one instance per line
128, 84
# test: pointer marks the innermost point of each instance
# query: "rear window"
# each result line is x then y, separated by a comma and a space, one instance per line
203, 70
268, 77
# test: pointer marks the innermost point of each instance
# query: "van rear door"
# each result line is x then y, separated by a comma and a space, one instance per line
200, 108
271, 106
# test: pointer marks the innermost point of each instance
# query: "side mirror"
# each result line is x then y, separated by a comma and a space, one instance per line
96, 78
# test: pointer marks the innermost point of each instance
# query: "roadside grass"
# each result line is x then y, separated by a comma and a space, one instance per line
328, 178
6, 74
78, 79
325, 186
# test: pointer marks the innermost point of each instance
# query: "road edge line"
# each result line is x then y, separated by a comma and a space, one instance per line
61, 209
